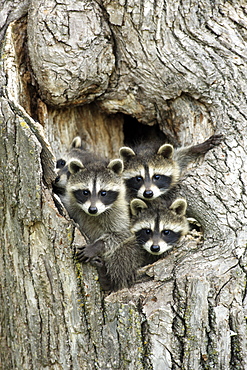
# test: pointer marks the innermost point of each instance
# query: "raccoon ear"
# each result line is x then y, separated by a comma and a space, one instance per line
136, 205
76, 142
126, 153
179, 206
166, 151
116, 165
75, 165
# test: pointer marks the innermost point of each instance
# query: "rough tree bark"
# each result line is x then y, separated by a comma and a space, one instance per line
83, 67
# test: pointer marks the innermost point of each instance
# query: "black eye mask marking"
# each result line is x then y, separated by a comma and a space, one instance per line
108, 197
60, 163
162, 181
170, 237
143, 235
134, 183
81, 195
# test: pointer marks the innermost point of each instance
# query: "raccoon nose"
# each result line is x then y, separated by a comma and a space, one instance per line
148, 194
57, 178
155, 248
93, 210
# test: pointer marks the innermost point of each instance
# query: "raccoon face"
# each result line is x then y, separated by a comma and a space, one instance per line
94, 190
148, 178
148, 182
157, 239
157, 228
94, 197
60, 181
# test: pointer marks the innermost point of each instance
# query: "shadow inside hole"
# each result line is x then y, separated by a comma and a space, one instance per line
136, 132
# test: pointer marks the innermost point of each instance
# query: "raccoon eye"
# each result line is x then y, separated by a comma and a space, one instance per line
156, 177
103, 193
60, 163
138, 178
166, 232
148, 231
85, 192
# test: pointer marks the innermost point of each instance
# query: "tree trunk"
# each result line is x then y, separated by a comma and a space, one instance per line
94, 68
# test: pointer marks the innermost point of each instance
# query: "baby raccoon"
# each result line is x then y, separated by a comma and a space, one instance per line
96, 200
158, 228
60, 182
151, 170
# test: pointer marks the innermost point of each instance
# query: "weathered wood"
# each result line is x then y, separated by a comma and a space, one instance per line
100, 132
78, 53
181, 65
10, 11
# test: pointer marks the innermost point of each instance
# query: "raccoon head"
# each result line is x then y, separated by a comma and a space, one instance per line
60, 181
156, 227
95, 188
149, 176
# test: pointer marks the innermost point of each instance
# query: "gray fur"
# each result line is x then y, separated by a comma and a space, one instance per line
188, 154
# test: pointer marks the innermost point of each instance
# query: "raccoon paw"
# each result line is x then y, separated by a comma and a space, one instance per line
84, 254
89, 251
214, 140
210, 143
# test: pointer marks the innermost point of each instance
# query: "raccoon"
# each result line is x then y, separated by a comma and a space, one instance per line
158, 228
155, 230
151, 170
60, 182
96, 200
76, 149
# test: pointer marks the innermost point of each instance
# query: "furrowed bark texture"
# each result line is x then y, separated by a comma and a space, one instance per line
84, 67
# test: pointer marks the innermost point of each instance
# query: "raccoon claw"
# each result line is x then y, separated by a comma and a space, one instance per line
80, 254
83, 255
210, 143
214, 140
